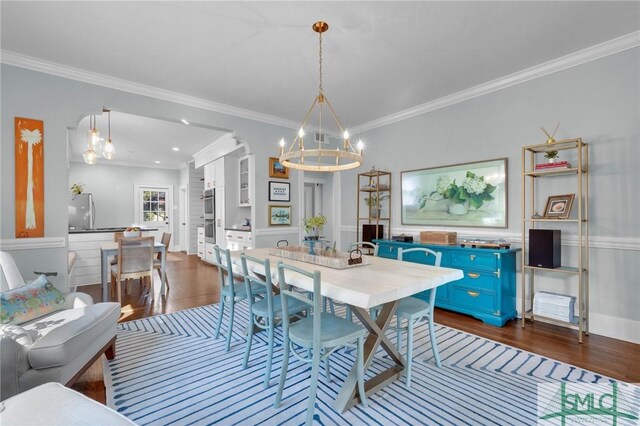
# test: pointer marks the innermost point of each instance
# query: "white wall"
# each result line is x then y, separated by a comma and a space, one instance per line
598, 101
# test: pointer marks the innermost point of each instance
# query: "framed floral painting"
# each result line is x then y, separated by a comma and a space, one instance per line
468, 194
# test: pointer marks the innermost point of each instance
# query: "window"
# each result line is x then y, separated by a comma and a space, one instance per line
154, 207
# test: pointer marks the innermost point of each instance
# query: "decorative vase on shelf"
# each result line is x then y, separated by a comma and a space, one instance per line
459, 209
374, 212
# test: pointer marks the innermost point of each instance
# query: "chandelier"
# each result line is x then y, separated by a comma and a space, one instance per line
323, 158
95, 146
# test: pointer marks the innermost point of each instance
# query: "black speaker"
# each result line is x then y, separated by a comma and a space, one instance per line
544, 248
370, 233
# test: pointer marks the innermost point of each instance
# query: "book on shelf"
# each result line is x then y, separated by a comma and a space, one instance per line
556, 165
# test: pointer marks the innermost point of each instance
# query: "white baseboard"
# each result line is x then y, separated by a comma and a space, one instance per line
616, 328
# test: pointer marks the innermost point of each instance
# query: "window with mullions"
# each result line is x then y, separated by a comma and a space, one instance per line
154, 207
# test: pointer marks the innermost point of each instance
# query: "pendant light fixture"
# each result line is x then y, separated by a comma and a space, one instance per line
109, 150
93, 140
323, 158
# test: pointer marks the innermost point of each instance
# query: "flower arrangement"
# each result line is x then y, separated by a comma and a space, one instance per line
374, 200
77, 188
474, 189
315, 222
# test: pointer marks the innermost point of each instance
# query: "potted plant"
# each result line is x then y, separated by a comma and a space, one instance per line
551, 156
374, 201
313, 226
77, 188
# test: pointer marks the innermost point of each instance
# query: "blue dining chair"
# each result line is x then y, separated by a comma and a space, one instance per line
320, 333
412, 310
265, 311
231, 291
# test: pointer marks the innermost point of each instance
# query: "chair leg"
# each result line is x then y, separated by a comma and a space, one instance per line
360, 372
119, 289
230, 327
349, 314
327, 369
267, 373
113, 286
398, 332
220, 313
283, 372
313, 387
247, 348
409, 351
434, 343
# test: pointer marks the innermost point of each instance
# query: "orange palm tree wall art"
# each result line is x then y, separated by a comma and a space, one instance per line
29, 151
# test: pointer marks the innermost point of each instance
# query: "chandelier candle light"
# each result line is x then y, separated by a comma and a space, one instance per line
321, 159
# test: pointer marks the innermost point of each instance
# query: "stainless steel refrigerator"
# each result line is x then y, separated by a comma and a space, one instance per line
81, 212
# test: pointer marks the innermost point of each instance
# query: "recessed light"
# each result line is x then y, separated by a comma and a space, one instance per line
157, 162
185, 121
175, 148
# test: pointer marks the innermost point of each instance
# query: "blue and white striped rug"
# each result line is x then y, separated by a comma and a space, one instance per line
170, 370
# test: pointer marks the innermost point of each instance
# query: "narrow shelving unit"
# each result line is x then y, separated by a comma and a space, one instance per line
530, 179
374, 186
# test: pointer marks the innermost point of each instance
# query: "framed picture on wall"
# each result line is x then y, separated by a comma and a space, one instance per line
277, 170
279, 215
279, 191
468, 194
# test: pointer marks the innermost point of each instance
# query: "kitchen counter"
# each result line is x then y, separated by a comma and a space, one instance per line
104, 230
238, 229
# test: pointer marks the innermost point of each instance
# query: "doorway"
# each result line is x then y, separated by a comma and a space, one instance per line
183, 214
318, 195
154, 208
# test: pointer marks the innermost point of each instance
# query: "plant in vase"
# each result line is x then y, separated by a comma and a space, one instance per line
551, 156
77, 188
313, 226
373, 201
473, 192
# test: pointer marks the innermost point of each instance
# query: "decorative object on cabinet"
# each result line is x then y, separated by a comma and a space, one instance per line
277, 170
327, 156
439, 237
374, 212
535, 183
402, 238
468, 194
559, 206
488, 289
279, 215
550, 137
279, 191
29, 169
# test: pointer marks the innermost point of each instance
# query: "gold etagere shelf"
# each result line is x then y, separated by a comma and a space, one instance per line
532, 155
374, 186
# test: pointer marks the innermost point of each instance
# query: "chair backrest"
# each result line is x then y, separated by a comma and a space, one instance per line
10, 276
250, 278
117, 236
315, 302
365, 244
225, 268
135, 255
165, 240
402, 252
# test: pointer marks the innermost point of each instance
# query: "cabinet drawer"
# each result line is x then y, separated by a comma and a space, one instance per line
388, 251
476, 300
479, 281
477, 261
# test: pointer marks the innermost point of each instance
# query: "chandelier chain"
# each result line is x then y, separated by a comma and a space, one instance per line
320, 61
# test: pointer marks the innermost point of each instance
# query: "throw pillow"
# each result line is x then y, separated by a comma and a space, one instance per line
30, 301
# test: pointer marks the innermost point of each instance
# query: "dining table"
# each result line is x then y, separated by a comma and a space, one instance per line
377, 282
110, 248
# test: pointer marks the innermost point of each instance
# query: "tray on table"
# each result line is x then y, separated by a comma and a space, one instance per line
339, 260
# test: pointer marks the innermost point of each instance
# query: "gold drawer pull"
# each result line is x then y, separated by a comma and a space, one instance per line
473, 293
473, 275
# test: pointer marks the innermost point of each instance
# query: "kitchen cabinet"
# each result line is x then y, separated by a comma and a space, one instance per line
209, 253
214, 174
220, 218
239, 240
201, 242
244, 181
488, 289
208, 176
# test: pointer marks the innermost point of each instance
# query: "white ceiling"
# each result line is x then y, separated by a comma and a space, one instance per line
142, 140
379, 57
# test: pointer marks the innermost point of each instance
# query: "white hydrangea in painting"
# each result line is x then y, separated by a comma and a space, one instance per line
31, 138
474, 184
444, 182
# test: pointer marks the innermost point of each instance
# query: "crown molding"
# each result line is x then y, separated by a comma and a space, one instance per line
131, 164
580, 57
35, 64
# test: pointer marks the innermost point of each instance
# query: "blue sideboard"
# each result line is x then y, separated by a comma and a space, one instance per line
488, 289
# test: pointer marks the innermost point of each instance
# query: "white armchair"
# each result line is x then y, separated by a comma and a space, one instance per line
57, 347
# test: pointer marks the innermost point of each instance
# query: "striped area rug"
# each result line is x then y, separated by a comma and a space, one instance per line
170, 370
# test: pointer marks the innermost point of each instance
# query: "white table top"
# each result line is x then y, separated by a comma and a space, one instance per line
382, 281
112, 245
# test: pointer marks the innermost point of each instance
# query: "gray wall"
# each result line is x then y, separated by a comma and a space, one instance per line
598, 101
112, 187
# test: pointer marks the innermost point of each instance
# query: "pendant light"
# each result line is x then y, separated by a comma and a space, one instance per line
109, 150
93, 139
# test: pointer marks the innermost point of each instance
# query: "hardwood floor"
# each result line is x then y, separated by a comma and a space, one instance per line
194, 283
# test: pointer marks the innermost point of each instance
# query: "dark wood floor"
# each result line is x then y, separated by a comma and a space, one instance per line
194, 283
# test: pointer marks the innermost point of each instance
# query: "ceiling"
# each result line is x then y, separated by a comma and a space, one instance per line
379, 57
141, 141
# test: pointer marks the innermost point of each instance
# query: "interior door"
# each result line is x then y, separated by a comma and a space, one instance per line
184, 228
154, 208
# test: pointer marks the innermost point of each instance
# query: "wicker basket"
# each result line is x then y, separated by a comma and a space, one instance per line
439, 237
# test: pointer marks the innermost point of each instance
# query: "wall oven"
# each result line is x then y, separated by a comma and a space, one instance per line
209, 200
210, 231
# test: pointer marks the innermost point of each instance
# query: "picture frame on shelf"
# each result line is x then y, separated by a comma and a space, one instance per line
559, 206
467, 194
279, 191
279, 215
277, 170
